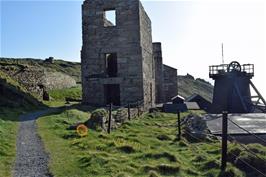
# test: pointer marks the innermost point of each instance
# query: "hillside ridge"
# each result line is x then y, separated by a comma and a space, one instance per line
187, 84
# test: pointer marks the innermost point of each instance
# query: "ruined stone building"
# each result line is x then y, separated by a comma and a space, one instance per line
165, 77
120, 64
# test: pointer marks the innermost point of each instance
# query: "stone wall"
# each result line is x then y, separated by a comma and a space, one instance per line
34, 80
147, 54
170, 82
159, 81
133, 50
57, 80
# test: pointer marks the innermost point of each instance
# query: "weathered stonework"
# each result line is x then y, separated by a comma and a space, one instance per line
36, 80
159, 79
170, 82
130, 41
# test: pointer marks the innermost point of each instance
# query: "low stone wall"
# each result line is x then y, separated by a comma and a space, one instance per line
100, 118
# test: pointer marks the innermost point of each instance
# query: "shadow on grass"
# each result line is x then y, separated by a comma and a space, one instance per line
14, 101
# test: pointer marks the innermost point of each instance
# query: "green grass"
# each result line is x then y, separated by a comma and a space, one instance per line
8, 134
61, 94
15, 95
14, 101
142, 147
70, 68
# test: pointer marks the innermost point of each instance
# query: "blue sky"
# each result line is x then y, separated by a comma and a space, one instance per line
41, 29
191, 32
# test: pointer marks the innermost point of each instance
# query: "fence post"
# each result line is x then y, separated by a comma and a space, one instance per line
110, 118
128, 111
179, 124
138, 108
224, 140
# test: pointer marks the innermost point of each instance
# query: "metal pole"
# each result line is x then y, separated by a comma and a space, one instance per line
224, 140
110, 118
179, 124
128, 111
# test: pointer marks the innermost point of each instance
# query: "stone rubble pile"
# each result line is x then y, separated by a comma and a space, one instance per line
100, 118
195, 127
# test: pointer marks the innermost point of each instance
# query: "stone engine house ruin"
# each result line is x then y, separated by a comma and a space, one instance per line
120, 64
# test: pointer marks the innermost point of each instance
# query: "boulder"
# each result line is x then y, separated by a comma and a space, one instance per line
195, 127
99, 120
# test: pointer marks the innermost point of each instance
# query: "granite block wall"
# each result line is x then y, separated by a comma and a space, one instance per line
130, 40
170, 82
159, 81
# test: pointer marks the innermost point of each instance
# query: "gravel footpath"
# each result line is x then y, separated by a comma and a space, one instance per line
31, 159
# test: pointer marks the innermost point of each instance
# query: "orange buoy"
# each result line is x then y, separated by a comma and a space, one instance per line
82, 130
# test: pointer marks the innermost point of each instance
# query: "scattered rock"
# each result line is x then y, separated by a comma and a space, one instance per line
49, 60
195, 127
99, 120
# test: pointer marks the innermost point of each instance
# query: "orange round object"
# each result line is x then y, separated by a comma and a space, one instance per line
82, 130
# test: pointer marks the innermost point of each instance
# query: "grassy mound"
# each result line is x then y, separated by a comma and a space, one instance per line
131, 150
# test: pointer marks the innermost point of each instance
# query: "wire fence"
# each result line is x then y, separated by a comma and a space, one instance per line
242, 146
250, 133
246, 149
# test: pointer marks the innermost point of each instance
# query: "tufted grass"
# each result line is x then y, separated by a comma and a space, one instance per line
132, 150
8, 135
11, 107
61, 94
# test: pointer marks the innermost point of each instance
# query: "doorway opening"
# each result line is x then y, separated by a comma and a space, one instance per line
112, 94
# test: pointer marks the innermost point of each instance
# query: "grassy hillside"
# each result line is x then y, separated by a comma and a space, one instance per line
14, 101
8, 134
69, 68
14, 95
130, 150
61, 94
187, 86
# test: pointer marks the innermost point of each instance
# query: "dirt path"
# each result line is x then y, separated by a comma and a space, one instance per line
31, 159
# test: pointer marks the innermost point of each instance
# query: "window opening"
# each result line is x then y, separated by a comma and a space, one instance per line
109, 18
111, 64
